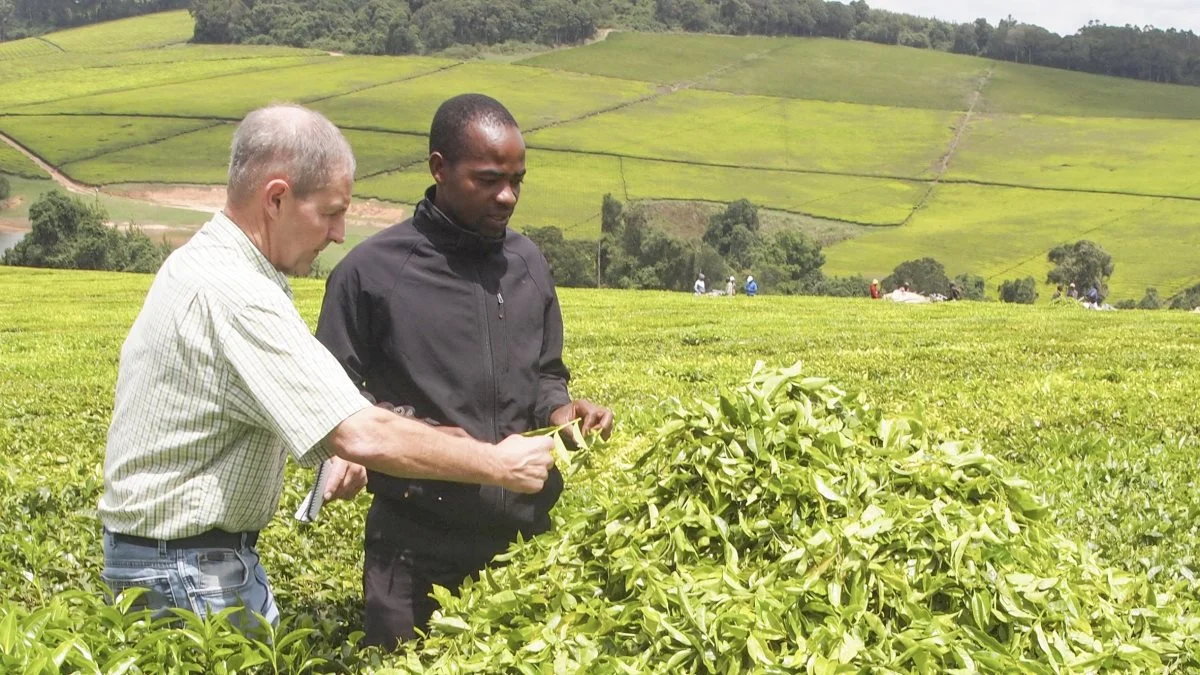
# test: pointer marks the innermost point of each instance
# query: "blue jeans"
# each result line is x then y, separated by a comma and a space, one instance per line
202, 580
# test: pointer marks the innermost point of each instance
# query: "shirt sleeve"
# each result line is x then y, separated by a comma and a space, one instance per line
553, 374
293, 383
344, 326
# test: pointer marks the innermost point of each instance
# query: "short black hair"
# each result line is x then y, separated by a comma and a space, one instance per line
455, 115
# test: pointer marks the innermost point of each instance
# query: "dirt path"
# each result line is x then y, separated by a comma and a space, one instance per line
204, 198
959, 131
58, 177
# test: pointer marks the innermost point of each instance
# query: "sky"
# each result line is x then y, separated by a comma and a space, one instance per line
1059, 16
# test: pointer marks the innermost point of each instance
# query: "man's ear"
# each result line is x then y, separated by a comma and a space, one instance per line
438, 167
273, 195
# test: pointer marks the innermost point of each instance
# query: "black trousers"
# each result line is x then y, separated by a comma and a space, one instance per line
408, 551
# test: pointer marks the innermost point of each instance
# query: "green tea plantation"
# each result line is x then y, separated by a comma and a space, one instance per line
794, 485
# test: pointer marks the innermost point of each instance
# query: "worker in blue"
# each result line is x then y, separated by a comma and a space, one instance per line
751, 286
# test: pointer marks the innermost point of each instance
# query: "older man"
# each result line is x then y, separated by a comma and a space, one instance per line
220, 378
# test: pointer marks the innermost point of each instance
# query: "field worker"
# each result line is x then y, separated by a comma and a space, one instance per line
453, 313
729, 286
220, 379
698, 288
875, 291
751, 286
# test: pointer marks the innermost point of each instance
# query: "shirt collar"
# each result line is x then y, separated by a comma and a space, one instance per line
225, 232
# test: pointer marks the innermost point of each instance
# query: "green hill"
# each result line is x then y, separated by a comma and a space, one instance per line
983, 165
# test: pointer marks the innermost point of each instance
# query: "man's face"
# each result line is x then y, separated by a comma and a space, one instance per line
480, 189
304, 226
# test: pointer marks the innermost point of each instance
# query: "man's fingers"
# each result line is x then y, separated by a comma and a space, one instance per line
337, 473
605, 424
345, 481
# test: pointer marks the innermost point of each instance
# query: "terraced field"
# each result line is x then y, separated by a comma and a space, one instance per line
984, 165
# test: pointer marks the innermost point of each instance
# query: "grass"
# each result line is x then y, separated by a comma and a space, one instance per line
1097, 411
1017, 88
1003, 233
535, 97
139, 32
664, 58
759, 131
232, 96
1083, 153
61, 140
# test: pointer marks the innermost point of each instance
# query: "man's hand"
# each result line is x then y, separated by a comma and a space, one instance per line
345, 479
592, 417
524, 463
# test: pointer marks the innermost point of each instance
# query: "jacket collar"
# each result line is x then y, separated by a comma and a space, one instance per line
443, 232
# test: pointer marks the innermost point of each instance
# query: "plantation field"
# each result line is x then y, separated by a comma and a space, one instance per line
1095, 411
140, 32
25, 48
61, 62
535, 97
1003, 233
62, 140
1015, 88
54, 92
232, 96
764, 132
14, 163
1150, 156
662, 58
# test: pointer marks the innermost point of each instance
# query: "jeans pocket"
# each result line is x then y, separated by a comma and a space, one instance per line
160, 591
219, 572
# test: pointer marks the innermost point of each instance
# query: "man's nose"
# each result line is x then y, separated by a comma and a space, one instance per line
507, 196
337, 233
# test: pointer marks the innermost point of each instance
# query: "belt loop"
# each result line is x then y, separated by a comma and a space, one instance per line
243, 541
162, 548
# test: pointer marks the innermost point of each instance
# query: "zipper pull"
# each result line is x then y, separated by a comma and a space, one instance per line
500, 300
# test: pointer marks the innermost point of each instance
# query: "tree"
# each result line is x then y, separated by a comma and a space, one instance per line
5, 187
1083, 263
68, 233
7, 13
790, 263
571, 262
965, 40
1150, 300
734, 233
925, 275
1020, 291
973, 286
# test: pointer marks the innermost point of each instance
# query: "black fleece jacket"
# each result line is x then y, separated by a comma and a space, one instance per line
465, 329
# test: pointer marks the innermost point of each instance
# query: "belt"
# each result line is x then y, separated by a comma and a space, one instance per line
209, 539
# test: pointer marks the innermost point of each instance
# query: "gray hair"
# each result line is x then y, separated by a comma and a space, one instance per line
288, 141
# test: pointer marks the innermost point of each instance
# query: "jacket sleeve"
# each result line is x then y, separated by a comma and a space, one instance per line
344, 326
552, 372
